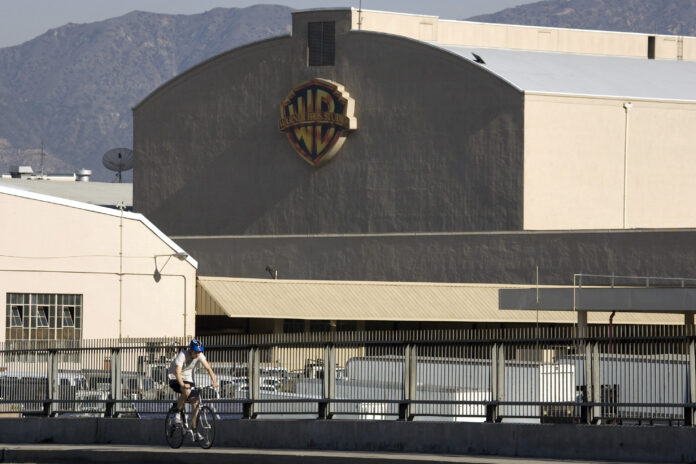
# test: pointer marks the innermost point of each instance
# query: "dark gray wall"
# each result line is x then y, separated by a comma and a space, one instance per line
476, 257
439, 145
438, 150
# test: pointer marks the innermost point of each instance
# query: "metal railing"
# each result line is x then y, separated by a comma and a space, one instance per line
617, 280
630, 374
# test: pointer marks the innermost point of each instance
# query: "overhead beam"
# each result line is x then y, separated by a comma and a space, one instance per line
654, 300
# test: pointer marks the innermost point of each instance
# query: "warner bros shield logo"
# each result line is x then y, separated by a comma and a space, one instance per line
317, 116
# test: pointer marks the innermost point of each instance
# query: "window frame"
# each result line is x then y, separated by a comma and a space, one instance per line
42, 316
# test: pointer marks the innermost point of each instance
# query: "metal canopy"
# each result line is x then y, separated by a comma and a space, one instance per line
654, 300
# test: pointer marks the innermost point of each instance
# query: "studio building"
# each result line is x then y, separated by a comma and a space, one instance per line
374, 162
70, 271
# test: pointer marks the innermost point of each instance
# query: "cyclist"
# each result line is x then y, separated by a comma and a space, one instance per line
180, 375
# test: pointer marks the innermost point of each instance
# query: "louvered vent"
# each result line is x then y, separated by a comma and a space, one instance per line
322, 43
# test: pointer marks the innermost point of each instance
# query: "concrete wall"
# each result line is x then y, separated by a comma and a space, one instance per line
54, 248
623, 443
438, 145
591, 164
476, 257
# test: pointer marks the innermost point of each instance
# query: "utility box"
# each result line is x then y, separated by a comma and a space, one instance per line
557, 385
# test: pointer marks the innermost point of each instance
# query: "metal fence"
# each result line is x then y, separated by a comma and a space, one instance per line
622, 374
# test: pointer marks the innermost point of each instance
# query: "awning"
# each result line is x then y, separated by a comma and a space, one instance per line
380, 301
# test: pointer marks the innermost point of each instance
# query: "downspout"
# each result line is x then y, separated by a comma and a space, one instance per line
158, 276
185, 300
627, 107
611, 321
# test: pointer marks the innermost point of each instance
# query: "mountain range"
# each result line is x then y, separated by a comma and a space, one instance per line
72, 88
673, 17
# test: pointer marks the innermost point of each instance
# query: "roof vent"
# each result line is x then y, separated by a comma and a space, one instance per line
20, 172
83, 175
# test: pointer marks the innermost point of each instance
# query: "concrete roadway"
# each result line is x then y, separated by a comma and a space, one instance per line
51, 453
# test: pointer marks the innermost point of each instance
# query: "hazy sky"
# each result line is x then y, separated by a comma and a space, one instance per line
22, 20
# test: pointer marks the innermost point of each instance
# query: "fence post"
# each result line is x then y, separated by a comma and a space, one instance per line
689, 413
329, 382
586, 411
113, 407
406, 408
249, 411
493, 410
596, 387
51, 382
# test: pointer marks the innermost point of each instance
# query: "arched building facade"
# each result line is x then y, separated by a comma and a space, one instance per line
470, 153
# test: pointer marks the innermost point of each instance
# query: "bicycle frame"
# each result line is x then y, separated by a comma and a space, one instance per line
175, 432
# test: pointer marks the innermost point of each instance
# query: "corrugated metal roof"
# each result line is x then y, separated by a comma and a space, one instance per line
575, 74
380, 301
94, 193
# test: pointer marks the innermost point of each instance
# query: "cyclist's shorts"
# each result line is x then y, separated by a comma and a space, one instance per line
174, 385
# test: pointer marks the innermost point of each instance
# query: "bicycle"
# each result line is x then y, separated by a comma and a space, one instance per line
175, 431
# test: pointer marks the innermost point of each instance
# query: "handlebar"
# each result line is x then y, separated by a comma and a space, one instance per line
199, 390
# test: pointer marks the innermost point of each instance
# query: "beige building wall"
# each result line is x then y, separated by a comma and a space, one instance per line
473, 34
661, 171
542, 39
49, 247
675, 47
418, 27
579, 150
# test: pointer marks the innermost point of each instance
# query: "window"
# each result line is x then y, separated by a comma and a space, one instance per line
15, 317
69, 316
321, 41
43, 316
651, 47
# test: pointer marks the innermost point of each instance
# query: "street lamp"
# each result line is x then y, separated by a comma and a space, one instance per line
180, 255
157, 275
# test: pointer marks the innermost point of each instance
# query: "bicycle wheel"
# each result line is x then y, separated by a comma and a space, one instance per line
173, 432
206, 427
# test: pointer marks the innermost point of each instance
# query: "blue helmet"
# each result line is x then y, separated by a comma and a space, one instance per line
196, 345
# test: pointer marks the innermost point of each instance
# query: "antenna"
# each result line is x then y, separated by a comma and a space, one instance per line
119, 160
43, 155
360, 15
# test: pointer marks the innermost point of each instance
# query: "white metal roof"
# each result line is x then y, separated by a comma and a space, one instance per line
94, 193
591, 75
380, 301
4, 190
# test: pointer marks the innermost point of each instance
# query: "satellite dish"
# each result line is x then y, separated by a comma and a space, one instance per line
119, 160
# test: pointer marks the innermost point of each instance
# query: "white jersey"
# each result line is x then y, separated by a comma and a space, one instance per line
187, 364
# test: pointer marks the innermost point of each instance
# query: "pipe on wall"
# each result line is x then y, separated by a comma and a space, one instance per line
627, 108
118, 274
